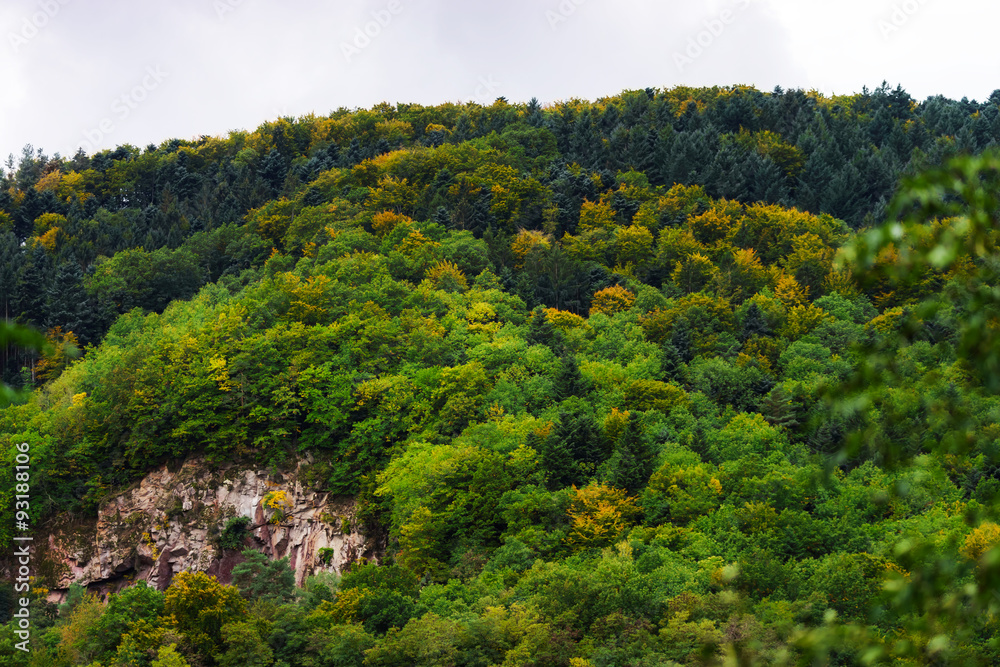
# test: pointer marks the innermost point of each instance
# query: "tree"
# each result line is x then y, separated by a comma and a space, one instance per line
167, 656
570, 381
557, 460
260, 578
671, 365
124, 610
754, 323
66, 302
246, 645
541, 331
62, 347
611, 300
682, 493
11, 261
273, 170
32, 286
680, 340
198, 606
778, 409
598, 515
631, 462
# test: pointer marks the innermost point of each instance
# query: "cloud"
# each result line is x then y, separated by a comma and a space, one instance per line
234, 63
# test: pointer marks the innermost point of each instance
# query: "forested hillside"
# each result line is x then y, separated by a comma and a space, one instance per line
634, 382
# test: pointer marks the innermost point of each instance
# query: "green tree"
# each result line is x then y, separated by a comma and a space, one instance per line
754, 323
570, 381
631, 462
124, 610
167, 656
260, 578
198, 607
67, 304
541, 331
245, 645
942, 219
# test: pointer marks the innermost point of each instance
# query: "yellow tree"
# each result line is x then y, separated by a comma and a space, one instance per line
634, 245
810, 262
525, 242
62, 347
693, 273
386, 221
197, 606
598, 515
611, 300
446, 275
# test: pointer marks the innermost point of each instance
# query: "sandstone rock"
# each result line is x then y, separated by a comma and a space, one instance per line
171, 522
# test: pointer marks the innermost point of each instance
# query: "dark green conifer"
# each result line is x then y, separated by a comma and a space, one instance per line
570, 381
66, 302
541, 331
680, 339
754, 323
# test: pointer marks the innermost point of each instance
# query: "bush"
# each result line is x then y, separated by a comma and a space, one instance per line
234, 533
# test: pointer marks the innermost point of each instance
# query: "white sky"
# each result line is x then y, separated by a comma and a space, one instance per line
65, 65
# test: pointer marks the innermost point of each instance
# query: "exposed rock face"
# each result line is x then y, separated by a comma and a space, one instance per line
172, 521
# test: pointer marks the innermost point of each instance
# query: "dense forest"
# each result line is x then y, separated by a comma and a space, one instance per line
675, 377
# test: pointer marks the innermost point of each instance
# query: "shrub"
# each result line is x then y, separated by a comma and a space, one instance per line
234, 532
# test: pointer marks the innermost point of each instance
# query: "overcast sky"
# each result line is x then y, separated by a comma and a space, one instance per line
100, 73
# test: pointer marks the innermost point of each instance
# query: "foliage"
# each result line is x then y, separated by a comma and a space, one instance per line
260, 578
199, 607
613, 382
234, 532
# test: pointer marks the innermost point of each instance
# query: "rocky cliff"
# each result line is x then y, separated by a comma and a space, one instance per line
173, 520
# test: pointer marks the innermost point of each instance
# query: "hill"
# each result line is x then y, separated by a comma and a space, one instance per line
638, 381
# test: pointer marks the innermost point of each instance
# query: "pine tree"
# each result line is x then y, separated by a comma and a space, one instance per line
443, 218
577, 434
533, 113
814, 180
631, 464
24, 218
541, 331
66, 303
11, 262
355, 154
778, 409
557, 460
32, 284
582, 142
754, 323
463, 128
671, 366
314, 197
274, 169
766, 180
680, 339
570, 381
